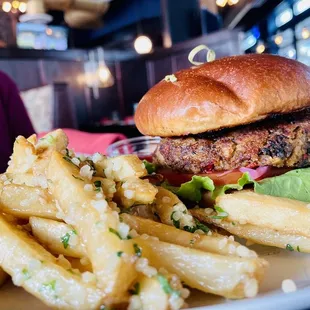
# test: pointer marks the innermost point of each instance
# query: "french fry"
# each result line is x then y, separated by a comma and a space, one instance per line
23, 157
256, 234
228, 276
214, 244
152, 295
121, 167
58, 237
157, 293
25, 179
199, 269
281, 214
133, 191
167, 204
34, 159
97, 225
24, 201
36, 270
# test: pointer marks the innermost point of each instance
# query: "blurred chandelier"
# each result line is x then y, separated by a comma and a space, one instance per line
223, 3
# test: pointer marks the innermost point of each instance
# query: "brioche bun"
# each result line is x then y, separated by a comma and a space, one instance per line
224, 93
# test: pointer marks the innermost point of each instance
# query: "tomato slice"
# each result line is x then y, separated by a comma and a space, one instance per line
219, 178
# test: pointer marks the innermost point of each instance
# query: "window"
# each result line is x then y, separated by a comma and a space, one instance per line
288, 52
37, 36
284, 38
302, 30
301, 6
248, 41
284, 17
303, 48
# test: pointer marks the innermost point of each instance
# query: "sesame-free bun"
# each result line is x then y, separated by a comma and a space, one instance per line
224, 93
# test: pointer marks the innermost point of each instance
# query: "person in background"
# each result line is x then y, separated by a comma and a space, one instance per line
14, 120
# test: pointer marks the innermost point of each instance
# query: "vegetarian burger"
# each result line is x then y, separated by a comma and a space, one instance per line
237, 114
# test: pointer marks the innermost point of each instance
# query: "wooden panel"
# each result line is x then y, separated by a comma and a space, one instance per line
64, 114
108, 100
25, 73
134, 83
68, 72
159, 68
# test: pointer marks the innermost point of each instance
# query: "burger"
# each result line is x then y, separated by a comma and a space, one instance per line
237, 115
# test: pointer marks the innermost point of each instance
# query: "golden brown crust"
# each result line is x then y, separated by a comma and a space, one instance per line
225, 93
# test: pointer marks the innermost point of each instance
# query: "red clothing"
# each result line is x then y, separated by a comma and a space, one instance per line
14, 119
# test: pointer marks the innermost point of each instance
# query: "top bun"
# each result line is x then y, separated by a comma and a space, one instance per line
224, 93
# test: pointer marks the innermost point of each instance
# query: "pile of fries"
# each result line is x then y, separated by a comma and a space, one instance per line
70, 234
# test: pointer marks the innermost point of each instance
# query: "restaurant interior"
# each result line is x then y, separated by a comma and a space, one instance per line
84, 65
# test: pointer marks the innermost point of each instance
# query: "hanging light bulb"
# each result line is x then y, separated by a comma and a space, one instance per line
104, 74
221, 3
6, 6
22, 7
143, 45
232, 2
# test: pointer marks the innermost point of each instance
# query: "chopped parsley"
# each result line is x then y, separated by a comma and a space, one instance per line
198, 225
103, 307
26, 274
50, 139
137, 249
115, 232
175, 223
135, 290
78, 178
233, 223
65, 239
97, 185
165, 285
119, 253
50, 285
190, 229
203, 227
289, 247
68, 159
221, 214
298, 248
192, 241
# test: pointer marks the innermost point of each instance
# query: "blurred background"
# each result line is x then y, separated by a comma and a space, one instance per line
85, 64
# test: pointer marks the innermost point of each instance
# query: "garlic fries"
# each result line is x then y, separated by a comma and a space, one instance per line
78, 209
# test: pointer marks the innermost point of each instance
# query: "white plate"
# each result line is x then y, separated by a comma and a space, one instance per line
283, 265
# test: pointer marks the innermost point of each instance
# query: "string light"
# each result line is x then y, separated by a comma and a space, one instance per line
143, 45
49, 31
22, 7
260, 48
6, 6
305, 33
278, 39
15, 4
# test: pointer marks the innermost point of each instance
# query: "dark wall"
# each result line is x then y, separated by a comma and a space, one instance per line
133, 77
35, 73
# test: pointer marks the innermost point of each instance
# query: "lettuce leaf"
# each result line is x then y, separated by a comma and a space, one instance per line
244, 180
294, 184
150, 167
192, 190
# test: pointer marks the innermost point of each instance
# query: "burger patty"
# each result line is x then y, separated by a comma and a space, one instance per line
277, 143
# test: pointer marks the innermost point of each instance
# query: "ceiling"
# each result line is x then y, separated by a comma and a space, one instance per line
128, 18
